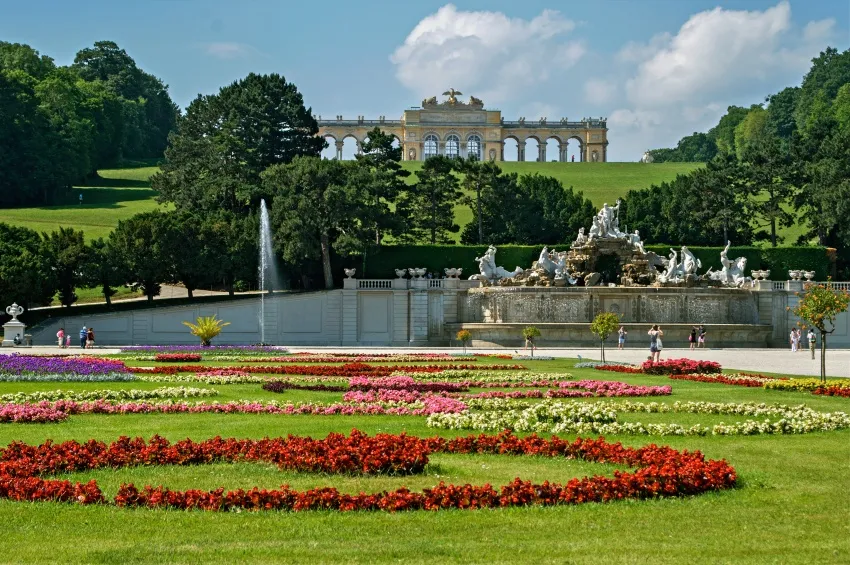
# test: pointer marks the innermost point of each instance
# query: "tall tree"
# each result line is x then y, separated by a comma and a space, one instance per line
430, 202
386, 179
183, 250
68, 253
780, 113
104, 268
830, 71
138, 242
26, 268
231, 248
724, 132
478, 177
319, 206
226, 140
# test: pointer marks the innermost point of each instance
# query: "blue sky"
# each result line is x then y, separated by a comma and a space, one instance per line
658, 69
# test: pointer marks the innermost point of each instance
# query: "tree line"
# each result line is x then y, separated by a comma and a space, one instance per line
769, 166
59, 125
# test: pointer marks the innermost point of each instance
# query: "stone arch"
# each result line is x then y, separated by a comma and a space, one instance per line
332, 151
575, 148
510, 148
531, 148
555, 148
350, 146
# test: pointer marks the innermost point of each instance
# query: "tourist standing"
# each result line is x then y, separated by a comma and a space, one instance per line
793, 339
655, 334
701, 336
812, 341
621, 339
68, 341
84, 334
693, 337
60, 335
90, 339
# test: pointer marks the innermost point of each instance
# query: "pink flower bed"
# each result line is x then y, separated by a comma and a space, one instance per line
29, 413
402, 383
587, 388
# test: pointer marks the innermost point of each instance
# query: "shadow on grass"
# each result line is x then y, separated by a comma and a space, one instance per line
101, 198
100, 182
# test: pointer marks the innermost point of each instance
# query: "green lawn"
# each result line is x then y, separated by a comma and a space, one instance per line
791, 504
117, 195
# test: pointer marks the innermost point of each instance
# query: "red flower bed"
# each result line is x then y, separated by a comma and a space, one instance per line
680, 367
619, 368
347, 370
832, 391
660, 472
177, 357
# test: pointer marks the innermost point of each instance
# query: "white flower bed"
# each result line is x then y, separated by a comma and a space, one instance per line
552, 416
88, 395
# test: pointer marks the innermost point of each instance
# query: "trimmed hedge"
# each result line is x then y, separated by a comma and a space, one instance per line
382, 263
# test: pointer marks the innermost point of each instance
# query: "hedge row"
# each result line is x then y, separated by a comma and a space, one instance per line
382, 263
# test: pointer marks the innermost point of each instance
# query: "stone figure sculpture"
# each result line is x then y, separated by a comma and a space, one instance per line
545, 262
581, 239
430, 101
473, 101
690, 264
634, 239
489, 270
732, 273
608, 221
647, 157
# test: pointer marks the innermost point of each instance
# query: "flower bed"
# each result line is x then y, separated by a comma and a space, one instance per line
660, 472
666, 367
584, 389
601, 418
594, 364
832, 391
530, 358
680, 367
177, 357
28, 413
207, 351
17, 367
805, 385
737, 379
347, 370
106, 394
280, 386
403, 383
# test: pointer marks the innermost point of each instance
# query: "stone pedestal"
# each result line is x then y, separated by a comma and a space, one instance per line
795, 286
10, 330
399, 284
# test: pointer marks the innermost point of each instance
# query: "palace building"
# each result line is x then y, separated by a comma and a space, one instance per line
461, 129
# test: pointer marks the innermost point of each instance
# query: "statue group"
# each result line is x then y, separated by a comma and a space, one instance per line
637, 266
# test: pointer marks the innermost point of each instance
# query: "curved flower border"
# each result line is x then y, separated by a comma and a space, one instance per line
659, 472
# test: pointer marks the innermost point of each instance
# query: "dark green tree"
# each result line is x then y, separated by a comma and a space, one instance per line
230, 248
381, 162
430, 202
26, 273
69, 255
183, 249
319, 206
478, 177
780, 113
830, 71
138, 242
226, 140
724, 132
104, 268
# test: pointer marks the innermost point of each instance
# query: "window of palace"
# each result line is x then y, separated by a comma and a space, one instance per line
452, 147
430, 145
473, 147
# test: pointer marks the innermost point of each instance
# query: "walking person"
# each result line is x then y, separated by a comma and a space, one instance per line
655, 334
621, 337
68, 341
60, 335
812, 341
794, 339
84, 334
701, 336
693, 337
90, 339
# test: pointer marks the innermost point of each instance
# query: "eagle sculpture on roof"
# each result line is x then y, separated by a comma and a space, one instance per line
452, 94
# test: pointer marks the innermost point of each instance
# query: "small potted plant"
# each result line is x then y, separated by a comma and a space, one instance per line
463, 336
206, 328
530, 333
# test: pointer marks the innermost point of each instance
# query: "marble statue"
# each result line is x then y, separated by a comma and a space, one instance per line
647, 157
595, 229
676, 270
608, 221
545, 262
489, 270
14, 310
690, 264
581, 239
634, 239
732, 273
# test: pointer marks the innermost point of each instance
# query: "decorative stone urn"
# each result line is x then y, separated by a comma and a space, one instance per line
794, 274
400, 273
14, 327
349, 273
809, 275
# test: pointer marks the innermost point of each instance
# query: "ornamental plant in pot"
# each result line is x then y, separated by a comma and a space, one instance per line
463, 336
206, 328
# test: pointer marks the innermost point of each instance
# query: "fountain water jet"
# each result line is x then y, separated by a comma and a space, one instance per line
267, 270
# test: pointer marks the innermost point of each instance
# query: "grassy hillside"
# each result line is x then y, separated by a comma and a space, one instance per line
117, 195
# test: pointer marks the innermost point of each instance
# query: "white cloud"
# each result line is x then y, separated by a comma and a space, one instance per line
600, 91
819, 31
227, 50
486, 54
635, 51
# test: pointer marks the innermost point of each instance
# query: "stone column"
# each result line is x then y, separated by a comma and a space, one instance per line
441, 148
564, 153
462, 149
541, 152
339, 146
520, 151
359, 147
